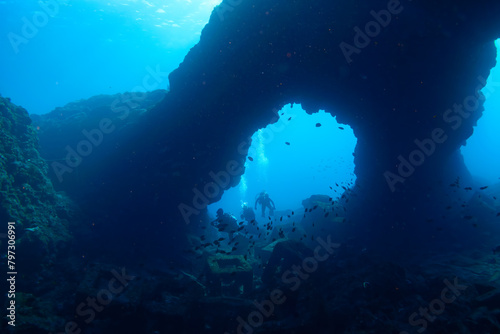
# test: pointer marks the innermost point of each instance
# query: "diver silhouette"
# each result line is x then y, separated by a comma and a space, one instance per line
225, 222
266, 202
247, 213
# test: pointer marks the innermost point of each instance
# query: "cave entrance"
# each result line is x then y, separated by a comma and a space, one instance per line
481, 150
298, 156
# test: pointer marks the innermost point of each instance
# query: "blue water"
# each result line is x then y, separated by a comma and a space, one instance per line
482, 150
65, 50
77, 49
315, 159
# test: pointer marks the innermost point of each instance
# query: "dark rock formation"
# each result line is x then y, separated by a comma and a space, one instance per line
72, 140
150, 182
80, 142
404, 75
396, 86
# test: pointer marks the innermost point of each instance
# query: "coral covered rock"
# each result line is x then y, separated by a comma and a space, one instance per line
27, 196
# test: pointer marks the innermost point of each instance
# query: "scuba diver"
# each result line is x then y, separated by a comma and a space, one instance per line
265, 202
225, 222
247, 213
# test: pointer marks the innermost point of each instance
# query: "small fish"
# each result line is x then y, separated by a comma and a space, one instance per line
202, 237
318, 125
326, 214
341, 128
250, 158
240, 228
233, 249
292, 213
287, 143
289, 118
220, 239
482, 188
448, 207
498, 214
475, 225
293, 229
468, 188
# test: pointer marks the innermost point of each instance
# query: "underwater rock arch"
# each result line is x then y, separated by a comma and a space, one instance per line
395, 71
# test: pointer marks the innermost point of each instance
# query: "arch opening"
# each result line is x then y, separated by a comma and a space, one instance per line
481, 149
298, 156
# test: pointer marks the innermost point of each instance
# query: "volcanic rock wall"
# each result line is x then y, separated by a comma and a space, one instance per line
82, 143
27, 196
405, 75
